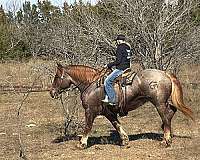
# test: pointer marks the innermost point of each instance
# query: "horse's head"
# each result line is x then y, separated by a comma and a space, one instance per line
61, 82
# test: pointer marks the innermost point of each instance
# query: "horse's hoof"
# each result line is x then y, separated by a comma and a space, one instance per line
163, 143
81, 146
125, 143
166, 143
125, 146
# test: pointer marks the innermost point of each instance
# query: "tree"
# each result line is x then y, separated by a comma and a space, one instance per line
3, 18
160, 33
196, 15
163, 34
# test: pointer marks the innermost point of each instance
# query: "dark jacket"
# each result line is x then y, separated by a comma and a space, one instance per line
123, 55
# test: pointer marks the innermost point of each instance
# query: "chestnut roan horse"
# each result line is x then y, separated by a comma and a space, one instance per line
148, 85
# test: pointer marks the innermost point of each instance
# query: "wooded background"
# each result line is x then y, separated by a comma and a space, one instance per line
163, 34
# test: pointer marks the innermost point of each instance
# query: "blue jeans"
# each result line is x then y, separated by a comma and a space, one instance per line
108, 84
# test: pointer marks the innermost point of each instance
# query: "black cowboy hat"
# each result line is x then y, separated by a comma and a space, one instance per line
120, 37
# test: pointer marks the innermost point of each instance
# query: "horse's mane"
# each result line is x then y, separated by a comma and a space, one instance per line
82, 73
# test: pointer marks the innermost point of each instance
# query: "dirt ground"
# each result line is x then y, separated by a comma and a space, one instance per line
40, 125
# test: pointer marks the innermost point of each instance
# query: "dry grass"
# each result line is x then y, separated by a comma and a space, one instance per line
42, 123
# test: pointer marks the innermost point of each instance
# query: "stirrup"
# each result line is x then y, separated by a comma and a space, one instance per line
112, 104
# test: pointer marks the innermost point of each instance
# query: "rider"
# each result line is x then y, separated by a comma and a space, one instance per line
122, 62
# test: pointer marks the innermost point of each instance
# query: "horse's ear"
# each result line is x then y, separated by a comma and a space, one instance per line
59, 65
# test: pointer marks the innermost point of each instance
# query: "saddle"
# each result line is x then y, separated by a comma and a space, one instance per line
125, 79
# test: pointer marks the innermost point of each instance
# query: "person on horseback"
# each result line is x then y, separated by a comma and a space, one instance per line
122, 62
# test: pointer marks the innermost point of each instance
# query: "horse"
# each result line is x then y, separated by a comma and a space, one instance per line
160, 88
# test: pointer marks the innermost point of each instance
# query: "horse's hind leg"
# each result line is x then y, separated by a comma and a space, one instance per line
116, 124
166, 113
170, 111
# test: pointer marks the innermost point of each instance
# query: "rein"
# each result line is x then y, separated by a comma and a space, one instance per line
62, 78
98, 76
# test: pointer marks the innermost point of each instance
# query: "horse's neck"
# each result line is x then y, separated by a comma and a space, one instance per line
81, 78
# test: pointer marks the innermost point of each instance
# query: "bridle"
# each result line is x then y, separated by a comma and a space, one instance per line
62, 74
60, 90
62, 77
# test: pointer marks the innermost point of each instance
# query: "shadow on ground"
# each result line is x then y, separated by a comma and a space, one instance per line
114, 138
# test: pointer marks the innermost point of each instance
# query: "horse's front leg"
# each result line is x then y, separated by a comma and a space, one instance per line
116, 124
89, 119
122, 133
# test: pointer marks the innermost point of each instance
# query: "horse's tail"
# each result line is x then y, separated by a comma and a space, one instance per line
177, 97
